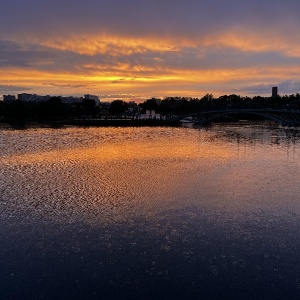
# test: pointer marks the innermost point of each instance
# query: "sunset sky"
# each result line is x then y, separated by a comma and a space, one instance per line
136, 49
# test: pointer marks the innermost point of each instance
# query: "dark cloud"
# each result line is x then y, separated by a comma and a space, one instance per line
37, 57
23, 55
12, 89
179, 18
286, 87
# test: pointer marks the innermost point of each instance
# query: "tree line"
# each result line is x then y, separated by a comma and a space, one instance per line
186, 105
55, 109
50, 110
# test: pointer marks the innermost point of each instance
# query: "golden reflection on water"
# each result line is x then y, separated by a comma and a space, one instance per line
129, 150
118, 174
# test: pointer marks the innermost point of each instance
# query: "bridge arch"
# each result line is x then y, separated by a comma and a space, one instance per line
283, 117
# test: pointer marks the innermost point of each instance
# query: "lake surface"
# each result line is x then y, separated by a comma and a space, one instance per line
150, 213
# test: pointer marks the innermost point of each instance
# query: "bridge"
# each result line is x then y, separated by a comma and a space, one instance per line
285, 117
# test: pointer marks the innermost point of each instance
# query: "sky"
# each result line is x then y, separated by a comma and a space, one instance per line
138, 49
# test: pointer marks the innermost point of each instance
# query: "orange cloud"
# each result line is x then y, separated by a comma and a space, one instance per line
172, 82
248, 41
115, 46
107, 44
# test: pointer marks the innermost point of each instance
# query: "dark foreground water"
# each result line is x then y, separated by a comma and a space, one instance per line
150, 213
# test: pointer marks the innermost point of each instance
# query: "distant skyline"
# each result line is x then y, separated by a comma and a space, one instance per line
136, 49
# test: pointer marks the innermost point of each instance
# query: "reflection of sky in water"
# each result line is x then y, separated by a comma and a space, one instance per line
147, 211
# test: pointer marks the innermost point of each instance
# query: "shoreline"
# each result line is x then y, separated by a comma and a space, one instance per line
89, 123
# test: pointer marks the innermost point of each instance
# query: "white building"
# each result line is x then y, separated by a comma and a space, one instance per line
150, 114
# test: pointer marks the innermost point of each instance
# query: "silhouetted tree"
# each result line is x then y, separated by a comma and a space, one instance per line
54, 108
118, 107
88, 107
194, 105
17, 110
151, 104
165, 107
207, 102
3, 109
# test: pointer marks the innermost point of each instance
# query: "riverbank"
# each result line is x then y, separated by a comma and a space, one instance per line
91, 123
121, 122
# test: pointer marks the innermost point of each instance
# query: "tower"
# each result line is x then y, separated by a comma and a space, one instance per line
274, 91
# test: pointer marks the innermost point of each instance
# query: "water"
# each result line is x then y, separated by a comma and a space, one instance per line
150, 213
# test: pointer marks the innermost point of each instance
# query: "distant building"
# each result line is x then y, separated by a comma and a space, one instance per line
93, 97
274, 91
9, 98
26, 97
37, 98
32, 98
